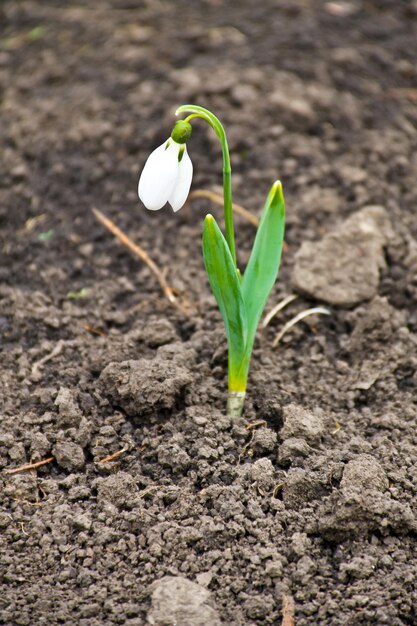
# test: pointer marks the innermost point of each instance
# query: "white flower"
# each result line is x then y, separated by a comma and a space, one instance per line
166, 177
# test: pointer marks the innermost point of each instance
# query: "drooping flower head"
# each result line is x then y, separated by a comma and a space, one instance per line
168, 172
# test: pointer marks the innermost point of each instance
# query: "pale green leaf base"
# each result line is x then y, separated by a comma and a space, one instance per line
235, 402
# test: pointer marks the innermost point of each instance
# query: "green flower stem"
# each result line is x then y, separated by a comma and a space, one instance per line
199, 112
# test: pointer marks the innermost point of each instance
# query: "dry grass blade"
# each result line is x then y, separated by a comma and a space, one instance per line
277, 308
113, 456
288, 611
404, 92
218, 199
55, 352
93, 330
298, 318
33, 222
141, 253
29, 466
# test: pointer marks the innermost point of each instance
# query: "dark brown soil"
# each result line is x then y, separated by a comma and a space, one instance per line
313, 493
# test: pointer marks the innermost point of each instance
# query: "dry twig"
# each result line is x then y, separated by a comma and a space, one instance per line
288, 611
93, 330
218, 199
251, 425
149, 490
292, 322
113, 456
404, 92
29, 466
55, 352
142, 254
277, 308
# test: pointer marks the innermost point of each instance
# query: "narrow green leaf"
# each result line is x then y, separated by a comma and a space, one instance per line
226, 286
47, 235
262, 269
75, 295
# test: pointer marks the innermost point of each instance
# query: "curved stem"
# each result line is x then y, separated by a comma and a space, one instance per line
199, 112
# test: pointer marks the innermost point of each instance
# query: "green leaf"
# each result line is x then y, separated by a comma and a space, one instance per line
47, 235
36, 33
262, 269
74, 295
226, 286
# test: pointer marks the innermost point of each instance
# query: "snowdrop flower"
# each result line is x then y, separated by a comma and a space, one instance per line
168, 172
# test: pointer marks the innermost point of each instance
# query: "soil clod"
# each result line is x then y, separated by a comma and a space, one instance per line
176, 599
343, 268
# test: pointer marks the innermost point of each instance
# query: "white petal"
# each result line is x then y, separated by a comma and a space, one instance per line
159, 176
183, 183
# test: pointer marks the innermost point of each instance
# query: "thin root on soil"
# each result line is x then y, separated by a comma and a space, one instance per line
404, 92
149, 490
218, 199
277, 308
29, 466
338, 427
298, 318
143, 256
251, 426
288, 611
113, 456
55, 352
93, 330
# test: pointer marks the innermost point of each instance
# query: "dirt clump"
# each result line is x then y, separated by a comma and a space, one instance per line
153, 504
145, 387
343, 268
176, 599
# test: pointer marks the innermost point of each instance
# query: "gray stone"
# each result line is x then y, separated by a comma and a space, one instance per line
343, 268
177, 600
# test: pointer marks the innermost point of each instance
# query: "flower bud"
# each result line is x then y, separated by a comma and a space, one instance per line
181, 131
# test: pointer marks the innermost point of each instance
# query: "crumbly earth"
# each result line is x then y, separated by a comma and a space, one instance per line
198, 518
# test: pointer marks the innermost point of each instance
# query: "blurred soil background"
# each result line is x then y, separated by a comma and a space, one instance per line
152, 505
